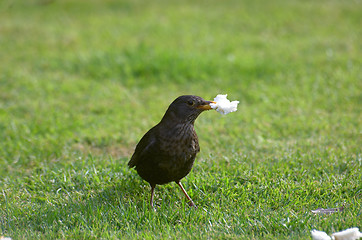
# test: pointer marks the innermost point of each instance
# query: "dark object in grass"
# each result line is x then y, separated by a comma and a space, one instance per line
166, 153
328, 210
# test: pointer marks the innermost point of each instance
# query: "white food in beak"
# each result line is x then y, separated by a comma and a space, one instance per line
223, 105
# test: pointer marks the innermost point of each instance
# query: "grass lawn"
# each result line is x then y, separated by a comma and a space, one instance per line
82, 81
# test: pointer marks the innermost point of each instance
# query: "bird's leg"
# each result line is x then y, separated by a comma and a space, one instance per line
152, 193
191, 203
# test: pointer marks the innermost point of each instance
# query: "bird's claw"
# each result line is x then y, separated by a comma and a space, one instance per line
192, 204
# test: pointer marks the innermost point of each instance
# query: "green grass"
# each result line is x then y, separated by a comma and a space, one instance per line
82, 81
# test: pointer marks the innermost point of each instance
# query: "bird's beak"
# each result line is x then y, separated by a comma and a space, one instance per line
205, 105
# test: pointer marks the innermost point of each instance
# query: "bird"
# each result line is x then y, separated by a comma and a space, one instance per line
166, 153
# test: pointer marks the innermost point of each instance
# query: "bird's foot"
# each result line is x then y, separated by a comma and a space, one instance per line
153, 208
192, 204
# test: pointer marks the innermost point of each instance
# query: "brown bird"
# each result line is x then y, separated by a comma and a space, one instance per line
167, 152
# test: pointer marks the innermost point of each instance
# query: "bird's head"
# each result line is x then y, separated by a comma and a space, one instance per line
185, 109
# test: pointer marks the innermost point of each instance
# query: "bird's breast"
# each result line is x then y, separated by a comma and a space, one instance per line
172, 155
180, 141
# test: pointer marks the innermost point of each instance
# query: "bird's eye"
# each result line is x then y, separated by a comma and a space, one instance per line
190, 102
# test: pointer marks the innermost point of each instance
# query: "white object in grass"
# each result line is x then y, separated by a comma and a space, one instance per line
4, 238
319, 235
223, 105
348, 234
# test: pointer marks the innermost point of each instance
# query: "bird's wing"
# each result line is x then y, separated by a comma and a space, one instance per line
144, 145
